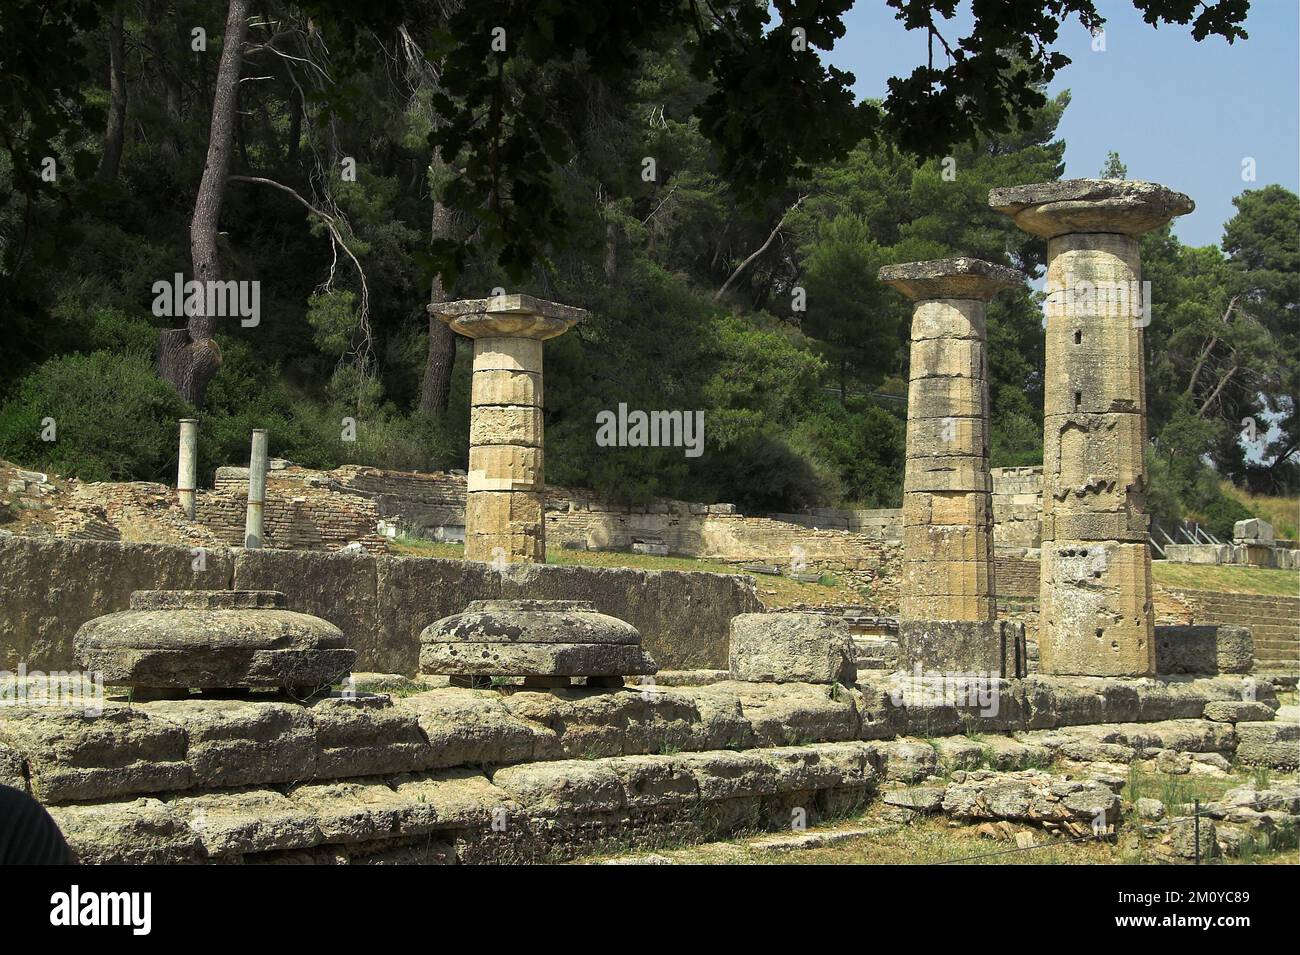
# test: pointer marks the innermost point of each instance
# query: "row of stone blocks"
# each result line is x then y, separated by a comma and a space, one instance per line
170, 642
221, 779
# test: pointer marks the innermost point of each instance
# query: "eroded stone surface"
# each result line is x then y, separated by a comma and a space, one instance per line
213, 640
1090, 205
791, 648
541, 638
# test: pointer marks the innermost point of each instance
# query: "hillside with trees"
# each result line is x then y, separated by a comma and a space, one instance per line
709, 190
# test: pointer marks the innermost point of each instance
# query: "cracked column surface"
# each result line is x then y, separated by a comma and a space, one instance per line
947, 510
504, 519
1095, 603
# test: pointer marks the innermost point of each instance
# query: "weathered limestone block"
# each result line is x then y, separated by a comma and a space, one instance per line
907, 760
1129, 207
246, 820
1190, 838
788, 713
72, 756
505, 468
458, 798
505, 386
925, 800
363, 810
792, 648
944, 397
499, 524
953, 753
1253, 530
961, 646
946, 507
533, 638
143, 832
565, 787
521, 355
1275, 744
1237, 711
1095, 602
11, 769
721, 775
947, 318
518, 622
946, 436
509, 425
475, 727
534, 659
238, 742
587, 723
957, 578
1204, 648
946, 474
213, 639
367, 736
1094, 463
949, 358
1031, 796
950, 542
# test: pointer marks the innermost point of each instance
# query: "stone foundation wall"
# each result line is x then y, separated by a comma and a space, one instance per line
1241, 554
1016, 577
1273, 621
475, 775
50, 586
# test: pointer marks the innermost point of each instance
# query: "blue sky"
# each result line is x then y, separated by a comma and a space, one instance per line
1178, 112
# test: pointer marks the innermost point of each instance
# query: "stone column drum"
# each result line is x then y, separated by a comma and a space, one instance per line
504, 510
947, 510
187, 464
257, 465
1095, 607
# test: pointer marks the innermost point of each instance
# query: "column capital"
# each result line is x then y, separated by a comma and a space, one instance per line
960, 278
1124, 206
508, 316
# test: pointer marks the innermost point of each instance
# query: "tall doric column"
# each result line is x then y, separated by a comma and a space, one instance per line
1095, 608
256, 490
504, 518
186, 465
947, 508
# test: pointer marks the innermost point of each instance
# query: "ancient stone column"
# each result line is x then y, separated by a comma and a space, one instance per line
504, 510
947, 503
1095, 609
256, 490
186, 465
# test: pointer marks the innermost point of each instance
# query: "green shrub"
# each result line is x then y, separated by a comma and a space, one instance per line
113, 418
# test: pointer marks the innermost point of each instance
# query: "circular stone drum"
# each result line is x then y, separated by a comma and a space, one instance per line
174, 640
547, 642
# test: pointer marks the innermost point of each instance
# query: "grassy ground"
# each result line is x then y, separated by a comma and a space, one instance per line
773, 591
1282, 512
1242, 580
868, 839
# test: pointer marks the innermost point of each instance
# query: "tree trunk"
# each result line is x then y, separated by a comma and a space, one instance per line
115, 131
190, 362
436, 389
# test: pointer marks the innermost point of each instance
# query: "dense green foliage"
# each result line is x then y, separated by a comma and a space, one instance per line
735, 274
